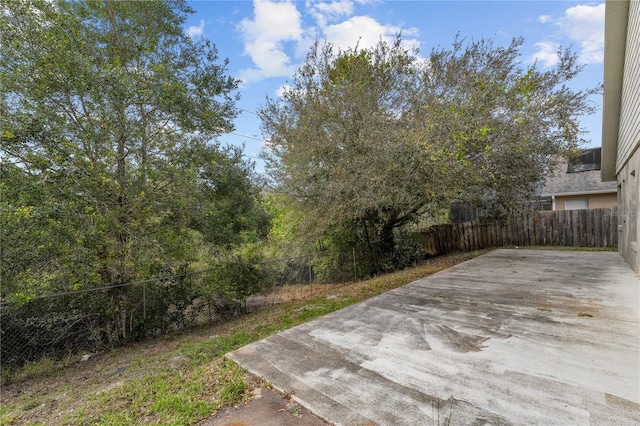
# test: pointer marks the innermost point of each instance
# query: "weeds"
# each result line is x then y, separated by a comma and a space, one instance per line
436, 410
178, 379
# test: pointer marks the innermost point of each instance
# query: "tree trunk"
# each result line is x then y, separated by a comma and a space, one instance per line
388, 243
373, 255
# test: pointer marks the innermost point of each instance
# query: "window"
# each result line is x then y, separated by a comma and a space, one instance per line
576, 204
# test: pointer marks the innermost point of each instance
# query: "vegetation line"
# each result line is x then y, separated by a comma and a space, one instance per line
179, 379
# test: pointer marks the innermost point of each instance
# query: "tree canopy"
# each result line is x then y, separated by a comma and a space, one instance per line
373, 139
110, 169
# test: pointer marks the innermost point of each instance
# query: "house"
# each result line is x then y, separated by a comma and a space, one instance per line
621, 119
575, 183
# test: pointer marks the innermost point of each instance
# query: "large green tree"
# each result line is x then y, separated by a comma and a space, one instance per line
368, 140
109, 172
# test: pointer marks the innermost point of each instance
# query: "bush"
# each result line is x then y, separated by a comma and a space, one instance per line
349, 256
67, 324
234, 279
52, 326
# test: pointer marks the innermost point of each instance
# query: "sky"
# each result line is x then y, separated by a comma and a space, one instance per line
266, 41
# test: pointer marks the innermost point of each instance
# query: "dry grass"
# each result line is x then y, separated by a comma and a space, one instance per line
180, 379
366, 288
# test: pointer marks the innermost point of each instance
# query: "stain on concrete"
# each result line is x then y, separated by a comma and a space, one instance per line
457, 341
486, 349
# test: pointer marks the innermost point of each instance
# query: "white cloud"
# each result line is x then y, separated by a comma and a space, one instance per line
365, 32
282, 90
362, 30
584, 26
546, 53
276, 34
325, 12
336, 8
196, 31
337, 26
265, 146
274, 23
544, 18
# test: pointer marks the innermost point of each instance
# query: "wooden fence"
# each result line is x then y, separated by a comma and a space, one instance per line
577, 228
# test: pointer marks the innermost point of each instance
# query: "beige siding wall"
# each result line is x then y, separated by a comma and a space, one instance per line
603, 201
595, 201
629, 135
628, 159
629, 210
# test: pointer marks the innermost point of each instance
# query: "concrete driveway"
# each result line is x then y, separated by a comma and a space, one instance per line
511, 337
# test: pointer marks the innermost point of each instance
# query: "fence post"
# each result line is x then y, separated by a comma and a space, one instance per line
355, 275
144, 301
310, 280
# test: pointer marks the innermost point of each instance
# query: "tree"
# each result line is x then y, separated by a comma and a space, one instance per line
369, 140
109, 172
502, 121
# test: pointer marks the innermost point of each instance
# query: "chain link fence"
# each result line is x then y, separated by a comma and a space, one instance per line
93, 319
59, 325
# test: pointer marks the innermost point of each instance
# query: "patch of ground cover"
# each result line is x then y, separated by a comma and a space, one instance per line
180, 379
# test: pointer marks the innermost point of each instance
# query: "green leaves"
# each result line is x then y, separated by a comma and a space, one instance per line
109, 112
373, 139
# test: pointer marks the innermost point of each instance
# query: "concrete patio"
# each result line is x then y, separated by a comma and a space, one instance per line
511, 337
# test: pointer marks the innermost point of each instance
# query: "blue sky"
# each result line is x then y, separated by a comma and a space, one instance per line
265, 41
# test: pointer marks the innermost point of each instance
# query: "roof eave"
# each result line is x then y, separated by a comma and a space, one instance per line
615, 37
568, 194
